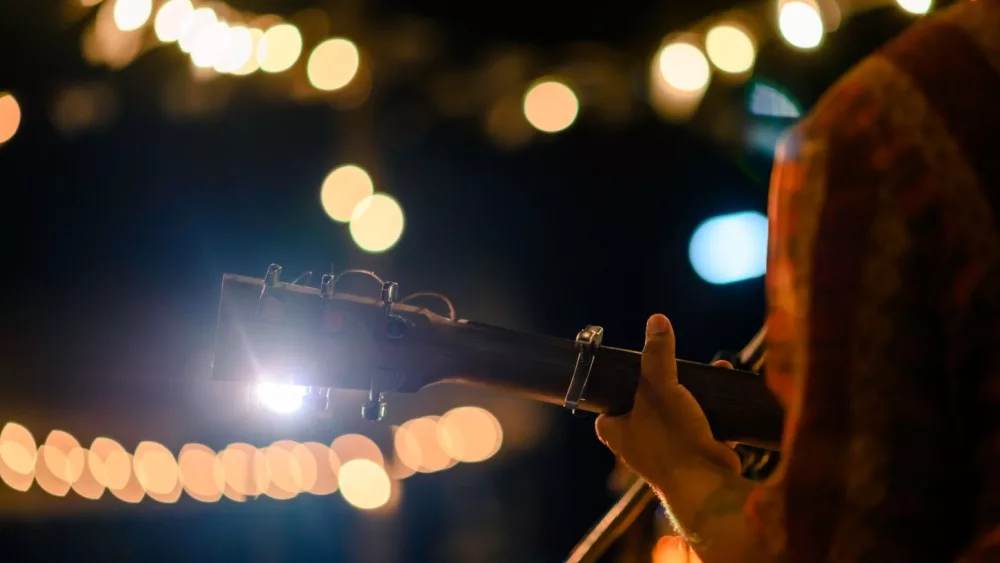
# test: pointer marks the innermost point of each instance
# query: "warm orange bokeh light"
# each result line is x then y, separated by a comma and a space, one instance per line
245, 469
17, 457
356, 446
673, 549
10, 116
433, 457
343, 189
327, 468
201, 472
365, 484
551, 106
279, 48
157, 470
285, 471
333, 64
407, 455
377, 223
470, 434
17, 448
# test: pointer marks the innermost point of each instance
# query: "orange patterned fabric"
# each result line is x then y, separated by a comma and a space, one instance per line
884, 307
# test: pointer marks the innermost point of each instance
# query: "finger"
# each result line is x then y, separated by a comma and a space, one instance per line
607, 430
723, 364
658, 362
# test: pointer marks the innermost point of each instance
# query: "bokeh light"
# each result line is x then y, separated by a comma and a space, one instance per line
192, 26
51, 469
407, 455
89, 486
683, 66
343, 189
916, 7
550, 106
156, 469
327, 468
10, 116
730, 248
470, 434
239, 50
201, 472
17, 457
768, 101
377, 223
245, 469
279, 48
425, 431
132, 14
356, 446
169, 19
284, 469
333, 64
730, 48
673, 549
64, 457
251, 65
365, 484
801, 24
210, 45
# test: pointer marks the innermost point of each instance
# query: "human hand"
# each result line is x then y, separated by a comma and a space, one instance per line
666, 428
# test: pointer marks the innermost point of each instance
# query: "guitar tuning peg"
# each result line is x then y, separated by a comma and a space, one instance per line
326, 286
273, 275
374, 409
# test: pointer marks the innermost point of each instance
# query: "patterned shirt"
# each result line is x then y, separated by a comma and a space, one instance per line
884, 307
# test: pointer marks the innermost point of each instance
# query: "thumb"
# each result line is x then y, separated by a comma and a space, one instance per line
659, 365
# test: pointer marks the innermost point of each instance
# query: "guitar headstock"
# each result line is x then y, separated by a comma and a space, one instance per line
320, 338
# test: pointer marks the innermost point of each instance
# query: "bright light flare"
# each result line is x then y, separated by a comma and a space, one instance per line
333, 64
10, 117
683, 66
551, 106
281, 398
170, 18
730, 48
801, 24
279, 48
132, 14
916, 7
377, 223
365, 484
730, 248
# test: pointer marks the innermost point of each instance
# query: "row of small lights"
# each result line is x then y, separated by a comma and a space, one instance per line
353, 463
681, 70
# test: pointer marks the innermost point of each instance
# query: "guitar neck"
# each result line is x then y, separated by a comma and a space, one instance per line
738, 405
342, 341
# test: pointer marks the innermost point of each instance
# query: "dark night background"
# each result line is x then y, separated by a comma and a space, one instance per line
115, 240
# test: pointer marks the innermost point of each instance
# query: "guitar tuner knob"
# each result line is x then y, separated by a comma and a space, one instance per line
374, 409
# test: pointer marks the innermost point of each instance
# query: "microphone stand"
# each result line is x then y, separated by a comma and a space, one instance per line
639, 495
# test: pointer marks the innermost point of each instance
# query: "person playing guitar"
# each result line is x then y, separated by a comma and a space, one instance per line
883, 332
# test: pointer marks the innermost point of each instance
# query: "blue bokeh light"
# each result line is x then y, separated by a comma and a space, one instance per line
730, 248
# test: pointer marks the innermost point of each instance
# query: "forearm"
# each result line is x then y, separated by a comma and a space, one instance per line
706, 501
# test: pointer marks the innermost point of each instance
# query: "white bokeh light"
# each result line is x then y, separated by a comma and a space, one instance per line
730, 248
801, 24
